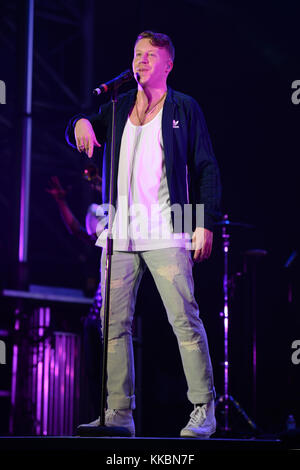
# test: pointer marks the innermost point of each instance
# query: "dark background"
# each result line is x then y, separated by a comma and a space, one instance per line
238, 59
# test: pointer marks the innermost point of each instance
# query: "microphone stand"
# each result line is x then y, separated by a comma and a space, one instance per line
102, 429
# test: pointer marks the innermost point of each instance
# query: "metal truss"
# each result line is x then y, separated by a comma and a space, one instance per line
63, 33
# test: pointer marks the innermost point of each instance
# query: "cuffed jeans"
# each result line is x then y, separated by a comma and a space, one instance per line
171, 269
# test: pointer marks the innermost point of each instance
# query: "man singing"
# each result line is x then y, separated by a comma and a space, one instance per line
164, 159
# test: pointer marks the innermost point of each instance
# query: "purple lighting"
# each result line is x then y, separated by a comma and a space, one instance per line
14, 375
53, 377
26, 136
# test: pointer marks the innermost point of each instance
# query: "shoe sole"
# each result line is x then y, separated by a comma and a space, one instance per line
198, 436
188, 433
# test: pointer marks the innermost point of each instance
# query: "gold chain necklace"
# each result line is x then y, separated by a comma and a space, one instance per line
150, 110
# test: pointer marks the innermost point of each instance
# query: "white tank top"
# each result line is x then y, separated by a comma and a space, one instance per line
143, 217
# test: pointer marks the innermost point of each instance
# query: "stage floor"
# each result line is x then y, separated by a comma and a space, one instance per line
148, 450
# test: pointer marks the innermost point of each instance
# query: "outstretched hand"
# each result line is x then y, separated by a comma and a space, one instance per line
202, 244
55, 189
85, 137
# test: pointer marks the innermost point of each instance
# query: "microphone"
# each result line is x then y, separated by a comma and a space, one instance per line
114, 83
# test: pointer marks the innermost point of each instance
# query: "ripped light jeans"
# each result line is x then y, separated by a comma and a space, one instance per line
171, 269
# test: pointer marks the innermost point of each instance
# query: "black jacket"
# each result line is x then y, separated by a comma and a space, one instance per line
191, 168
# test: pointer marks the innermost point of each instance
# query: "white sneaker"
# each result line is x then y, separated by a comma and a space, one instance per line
119, 418
202, 423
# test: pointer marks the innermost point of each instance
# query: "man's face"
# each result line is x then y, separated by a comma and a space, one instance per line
153, 64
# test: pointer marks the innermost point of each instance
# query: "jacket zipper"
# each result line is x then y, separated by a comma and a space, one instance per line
187, 184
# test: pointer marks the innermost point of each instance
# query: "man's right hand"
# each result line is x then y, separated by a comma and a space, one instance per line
85, 137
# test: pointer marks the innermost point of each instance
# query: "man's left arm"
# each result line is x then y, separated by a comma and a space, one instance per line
207, 185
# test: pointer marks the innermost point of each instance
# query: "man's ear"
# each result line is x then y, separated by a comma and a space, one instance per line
169, 66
